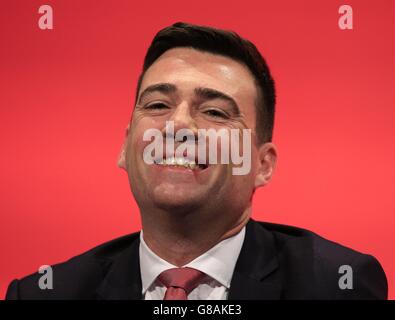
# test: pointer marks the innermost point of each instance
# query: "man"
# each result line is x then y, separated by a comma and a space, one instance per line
198, 240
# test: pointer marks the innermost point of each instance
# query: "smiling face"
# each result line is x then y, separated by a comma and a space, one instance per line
195, 90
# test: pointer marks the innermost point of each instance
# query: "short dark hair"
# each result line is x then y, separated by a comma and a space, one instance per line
225, 43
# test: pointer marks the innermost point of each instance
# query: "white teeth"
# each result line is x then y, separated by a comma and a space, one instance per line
182, 162
192, 165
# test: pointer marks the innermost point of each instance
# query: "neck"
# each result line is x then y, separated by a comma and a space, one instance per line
181, 238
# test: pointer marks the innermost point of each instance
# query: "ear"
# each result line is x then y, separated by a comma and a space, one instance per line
267, 157
121, 158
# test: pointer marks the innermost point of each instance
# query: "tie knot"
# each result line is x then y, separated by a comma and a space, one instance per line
185, 278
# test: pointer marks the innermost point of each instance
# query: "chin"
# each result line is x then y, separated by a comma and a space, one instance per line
177, 206
176, 200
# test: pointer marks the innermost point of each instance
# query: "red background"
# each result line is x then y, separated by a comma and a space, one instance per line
67, 94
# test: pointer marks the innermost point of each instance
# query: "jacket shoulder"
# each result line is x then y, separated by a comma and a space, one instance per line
331, 270
76, 278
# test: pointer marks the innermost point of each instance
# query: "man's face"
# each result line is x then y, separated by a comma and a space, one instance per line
171, 90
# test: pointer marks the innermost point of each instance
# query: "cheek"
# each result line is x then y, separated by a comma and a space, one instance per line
139, 126
243, 186
254, 161
141, 123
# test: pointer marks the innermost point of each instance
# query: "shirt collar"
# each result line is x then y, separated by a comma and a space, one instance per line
218, 262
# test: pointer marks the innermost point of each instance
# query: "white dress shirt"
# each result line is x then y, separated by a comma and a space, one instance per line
218, 263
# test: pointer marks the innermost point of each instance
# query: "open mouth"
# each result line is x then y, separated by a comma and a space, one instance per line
181, 163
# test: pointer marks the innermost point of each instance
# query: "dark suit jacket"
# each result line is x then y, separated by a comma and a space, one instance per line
275, 262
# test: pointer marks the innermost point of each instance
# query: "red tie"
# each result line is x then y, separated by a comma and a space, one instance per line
180, 282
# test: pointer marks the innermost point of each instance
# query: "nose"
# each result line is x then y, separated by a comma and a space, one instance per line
182, 118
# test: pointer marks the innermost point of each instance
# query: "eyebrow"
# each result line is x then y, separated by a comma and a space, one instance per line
211, 94
165, 88
203, 93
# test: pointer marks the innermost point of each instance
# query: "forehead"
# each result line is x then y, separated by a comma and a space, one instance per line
189, 68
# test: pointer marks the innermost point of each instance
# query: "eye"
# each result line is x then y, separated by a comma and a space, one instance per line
156, 106
216, 113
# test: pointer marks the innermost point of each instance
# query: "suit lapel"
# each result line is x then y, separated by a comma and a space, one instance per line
123, 279
256, 275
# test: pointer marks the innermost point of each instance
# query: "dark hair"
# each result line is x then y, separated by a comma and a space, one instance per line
225, 43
